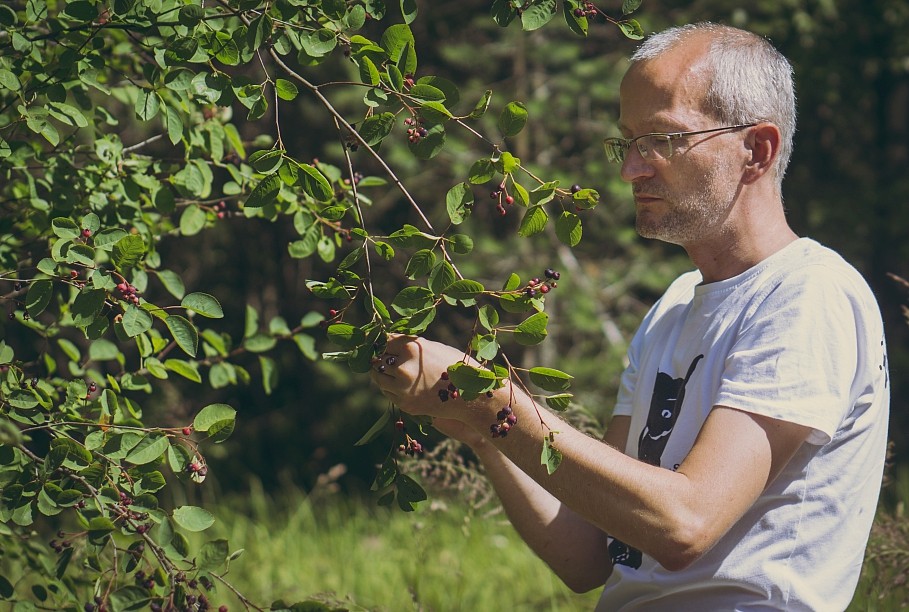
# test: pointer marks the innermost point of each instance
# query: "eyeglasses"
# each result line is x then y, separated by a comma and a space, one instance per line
657, 145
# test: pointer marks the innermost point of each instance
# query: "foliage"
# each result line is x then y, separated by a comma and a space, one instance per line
122, 128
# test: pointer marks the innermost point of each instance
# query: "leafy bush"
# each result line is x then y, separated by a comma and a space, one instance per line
127, 124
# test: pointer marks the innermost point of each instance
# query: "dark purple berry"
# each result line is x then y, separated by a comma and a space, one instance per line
575, 188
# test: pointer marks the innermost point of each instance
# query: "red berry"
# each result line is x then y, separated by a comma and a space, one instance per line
509, 200
187, 431
86, 232
399, 424
544, 288
444, 376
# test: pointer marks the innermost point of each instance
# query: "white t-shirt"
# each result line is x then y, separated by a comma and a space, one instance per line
799, 338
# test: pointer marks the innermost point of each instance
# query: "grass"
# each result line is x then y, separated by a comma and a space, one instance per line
438, 558
448, 557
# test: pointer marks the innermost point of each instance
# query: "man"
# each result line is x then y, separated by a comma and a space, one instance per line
742, 466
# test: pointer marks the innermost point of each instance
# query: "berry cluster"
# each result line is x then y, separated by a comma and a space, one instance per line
357, 176
450, 391
128, 292
60, 546
502, 197
197, 470
587, 10
417, 131
221, 209
535, 285
505, 420
410, 446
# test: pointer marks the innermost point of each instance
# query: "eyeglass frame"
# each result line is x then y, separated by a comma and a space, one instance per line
627, 142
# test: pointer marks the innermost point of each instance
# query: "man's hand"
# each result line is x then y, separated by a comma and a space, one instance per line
410, 375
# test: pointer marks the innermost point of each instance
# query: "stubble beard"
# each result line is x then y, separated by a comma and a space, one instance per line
688, 217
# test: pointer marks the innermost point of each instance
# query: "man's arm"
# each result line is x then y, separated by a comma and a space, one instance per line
575, 549
674, 516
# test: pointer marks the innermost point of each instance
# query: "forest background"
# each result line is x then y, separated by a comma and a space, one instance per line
847, 187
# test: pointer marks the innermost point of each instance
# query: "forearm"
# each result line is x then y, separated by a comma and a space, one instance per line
574, 549
615, 493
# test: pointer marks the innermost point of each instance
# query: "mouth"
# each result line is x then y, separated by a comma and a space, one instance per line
645, 198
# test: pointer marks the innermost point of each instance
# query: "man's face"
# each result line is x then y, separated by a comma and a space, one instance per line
688, 197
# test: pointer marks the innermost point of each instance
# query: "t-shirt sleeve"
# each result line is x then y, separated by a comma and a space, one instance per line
796, 354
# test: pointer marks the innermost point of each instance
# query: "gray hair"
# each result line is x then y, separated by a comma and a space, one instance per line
749, 81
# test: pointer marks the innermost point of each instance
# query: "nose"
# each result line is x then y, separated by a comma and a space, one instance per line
635, 166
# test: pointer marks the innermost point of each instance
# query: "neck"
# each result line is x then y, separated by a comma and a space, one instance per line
756, 230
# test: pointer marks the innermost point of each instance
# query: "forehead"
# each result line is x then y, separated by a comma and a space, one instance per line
666, 92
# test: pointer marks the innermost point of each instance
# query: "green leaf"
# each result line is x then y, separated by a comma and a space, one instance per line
315, 184
441, 277
375, 430
538, 14
532, 330
458, 202
193, 518
148, 449
213, 554
136, 321
559, 401
127, 252
212, 415
186, 369
409, 492
512, 119
533, 222
630, 6
147, 105
549, 379
285, 89
461, 244
464, 289
412, 299
264, 193
568, 228
64, 227
345, 335
631, 29
192, 220
481, 171
420, 263
488, 317
184, 333
87, 306
482, 105
376, 127
203, 304
399, 44
551, 457
409, 10
173, 283
38, 296
470, 379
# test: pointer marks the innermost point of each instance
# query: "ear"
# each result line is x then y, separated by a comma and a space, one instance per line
763, 142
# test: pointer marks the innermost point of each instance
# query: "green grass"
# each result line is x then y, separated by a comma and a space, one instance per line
382, 559
444, 557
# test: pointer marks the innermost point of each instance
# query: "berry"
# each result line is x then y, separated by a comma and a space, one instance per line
509, 200
444, 376
222, 609
544, 288
86, 232
575, 188
187, 431
73, 274
511, 419
399, 424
